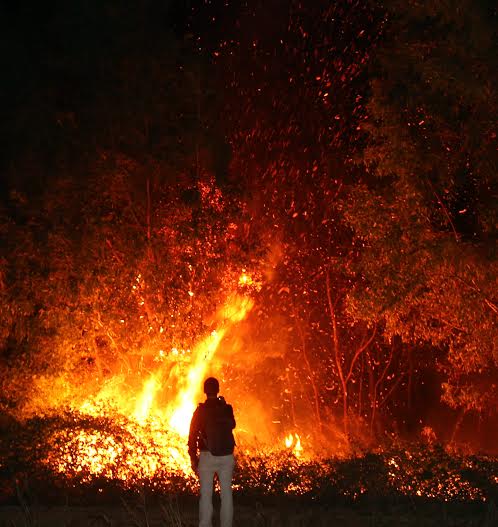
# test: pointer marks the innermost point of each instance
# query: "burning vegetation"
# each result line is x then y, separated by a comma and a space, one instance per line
304, 206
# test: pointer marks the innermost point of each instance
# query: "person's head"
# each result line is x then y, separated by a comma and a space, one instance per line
211, 387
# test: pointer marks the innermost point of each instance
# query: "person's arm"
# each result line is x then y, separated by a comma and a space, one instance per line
192, 440
231, 416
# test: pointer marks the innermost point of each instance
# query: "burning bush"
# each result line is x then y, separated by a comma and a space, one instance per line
75, 453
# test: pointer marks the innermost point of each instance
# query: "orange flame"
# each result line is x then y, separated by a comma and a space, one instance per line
164, 429
234, 311
146, 400
293, 441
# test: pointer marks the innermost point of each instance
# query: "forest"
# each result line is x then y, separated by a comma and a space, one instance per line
328, 168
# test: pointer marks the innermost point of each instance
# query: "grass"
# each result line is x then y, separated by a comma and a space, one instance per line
247, 517
176, 511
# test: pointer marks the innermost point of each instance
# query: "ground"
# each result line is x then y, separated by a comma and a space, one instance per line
174, 512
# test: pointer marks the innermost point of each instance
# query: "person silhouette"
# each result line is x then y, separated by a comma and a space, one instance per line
210, 446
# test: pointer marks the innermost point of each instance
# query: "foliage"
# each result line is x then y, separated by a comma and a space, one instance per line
132, 243
403, 471
426, 228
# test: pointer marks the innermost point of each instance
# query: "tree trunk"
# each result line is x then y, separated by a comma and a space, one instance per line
372, 394
148, 209
316, 397
378, 383
337, 357
458, 423
293, 407
409, 386
360, 389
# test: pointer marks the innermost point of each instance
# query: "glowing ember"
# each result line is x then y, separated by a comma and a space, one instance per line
245, 279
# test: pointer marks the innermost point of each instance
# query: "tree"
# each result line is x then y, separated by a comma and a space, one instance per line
119, 242
425, 219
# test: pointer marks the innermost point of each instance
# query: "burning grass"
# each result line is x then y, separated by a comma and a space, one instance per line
79, 453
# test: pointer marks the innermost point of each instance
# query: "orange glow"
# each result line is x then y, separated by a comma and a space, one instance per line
293, 442
245, 279
156, 429
184, 405
146, 399
202, 357
142, 419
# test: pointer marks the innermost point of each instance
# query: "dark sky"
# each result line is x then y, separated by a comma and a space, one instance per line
55, 57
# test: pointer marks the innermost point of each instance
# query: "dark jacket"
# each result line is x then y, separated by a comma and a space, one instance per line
197, 435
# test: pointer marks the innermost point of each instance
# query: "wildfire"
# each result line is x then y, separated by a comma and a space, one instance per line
185, 402
249, 282
245, 279
234, 311
155, 430
137, 434
146, 400
293, 442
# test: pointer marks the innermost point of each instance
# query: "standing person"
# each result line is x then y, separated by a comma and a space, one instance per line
210, 446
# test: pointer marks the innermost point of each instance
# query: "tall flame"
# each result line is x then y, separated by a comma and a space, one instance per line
293, 441
144, 403
232, 312
185, 401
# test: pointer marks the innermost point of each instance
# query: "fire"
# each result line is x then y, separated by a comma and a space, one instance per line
245, 279
293, 441
234, 311
154, 431
250, 282
185, 402
133, 431
146, 400
139, 430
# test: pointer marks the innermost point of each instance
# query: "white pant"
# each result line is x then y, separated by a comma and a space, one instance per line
208, 466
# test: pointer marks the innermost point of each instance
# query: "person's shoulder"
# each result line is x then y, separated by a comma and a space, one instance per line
199, 408
224, 403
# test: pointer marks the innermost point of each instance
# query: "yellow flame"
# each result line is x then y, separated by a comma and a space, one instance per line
298, 449
185, 401
236, 310
245, 279
144, 403
294, 441
232, 312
